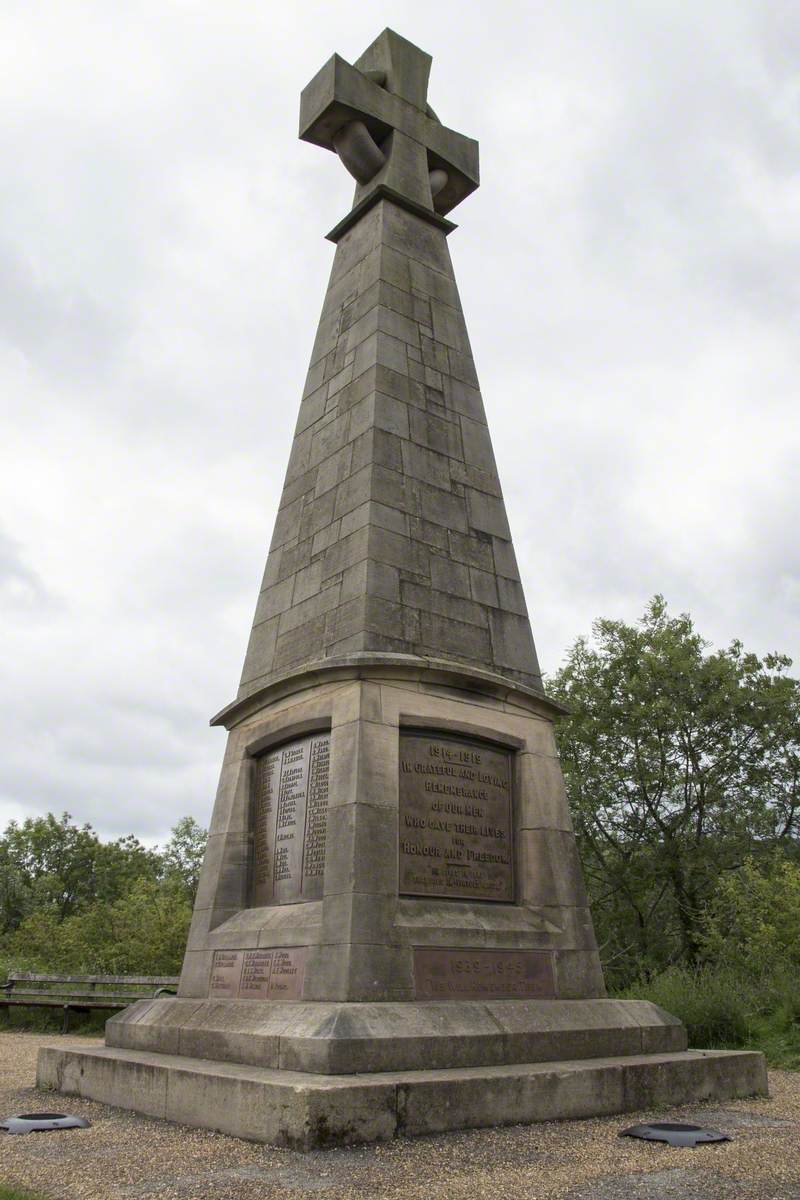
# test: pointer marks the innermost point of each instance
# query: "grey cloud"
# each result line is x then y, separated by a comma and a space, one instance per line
66, 334
22, 592
629, 275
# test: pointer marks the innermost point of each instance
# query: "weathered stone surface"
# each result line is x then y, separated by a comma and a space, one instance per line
345, 1038
392, 469
510, 1095
304, 1110
361, 934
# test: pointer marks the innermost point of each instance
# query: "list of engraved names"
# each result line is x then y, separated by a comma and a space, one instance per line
289, 821
455, 819
258, 974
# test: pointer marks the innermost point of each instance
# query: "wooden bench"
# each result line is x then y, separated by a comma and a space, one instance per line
81, 993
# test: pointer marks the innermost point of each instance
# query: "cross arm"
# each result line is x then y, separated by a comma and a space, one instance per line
340, 93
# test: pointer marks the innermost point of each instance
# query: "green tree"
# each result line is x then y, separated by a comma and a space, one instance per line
50, 862
752, 924
53, 859
119, 864
679, 762
15, 890
183, 854
141, 932
71, 902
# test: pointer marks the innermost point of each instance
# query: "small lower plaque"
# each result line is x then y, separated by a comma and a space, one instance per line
286, 978
256, 971
258, 974
483, 974
225, 974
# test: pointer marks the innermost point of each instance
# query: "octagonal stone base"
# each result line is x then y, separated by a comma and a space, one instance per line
334, 1038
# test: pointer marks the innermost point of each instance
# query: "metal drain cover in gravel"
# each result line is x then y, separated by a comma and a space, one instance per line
42, 1122
675, 1134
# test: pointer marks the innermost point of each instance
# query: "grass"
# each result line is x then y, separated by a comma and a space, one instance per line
9, 1192
45, 1020
722, 1010
778, 1036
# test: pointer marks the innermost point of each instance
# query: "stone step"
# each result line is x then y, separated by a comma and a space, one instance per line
332, 1038
306, 1111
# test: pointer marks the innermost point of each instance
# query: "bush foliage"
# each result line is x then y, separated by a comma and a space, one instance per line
71, 903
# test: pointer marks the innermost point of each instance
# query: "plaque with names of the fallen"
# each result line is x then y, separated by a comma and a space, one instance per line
455, 836
316, 818
226, 971
275, 974
441, 974
288, 970
256, 971
290, 809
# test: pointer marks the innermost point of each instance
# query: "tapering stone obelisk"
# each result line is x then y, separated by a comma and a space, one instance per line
391, 601
391, 932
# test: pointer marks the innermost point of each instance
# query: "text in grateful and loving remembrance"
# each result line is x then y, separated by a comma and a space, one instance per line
455, 819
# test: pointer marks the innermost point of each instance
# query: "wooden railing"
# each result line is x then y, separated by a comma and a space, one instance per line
81, 993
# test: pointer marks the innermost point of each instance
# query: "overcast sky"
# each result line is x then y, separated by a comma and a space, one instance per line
630, 273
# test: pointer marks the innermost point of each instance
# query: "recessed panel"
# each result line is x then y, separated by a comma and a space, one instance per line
289, 821
256, 971
483, 974
455, 832
225, 974
275, 974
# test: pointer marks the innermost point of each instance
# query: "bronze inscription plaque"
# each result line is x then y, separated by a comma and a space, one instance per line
483, 974
455, 819
258, 974
289, 821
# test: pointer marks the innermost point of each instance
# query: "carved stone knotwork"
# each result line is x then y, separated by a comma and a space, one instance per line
359, 151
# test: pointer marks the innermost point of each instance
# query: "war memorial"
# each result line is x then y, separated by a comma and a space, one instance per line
391, 934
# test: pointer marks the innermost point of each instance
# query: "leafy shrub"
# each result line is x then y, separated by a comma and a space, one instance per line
143, 932
716, 1007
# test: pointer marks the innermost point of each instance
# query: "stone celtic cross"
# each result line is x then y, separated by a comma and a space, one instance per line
375, 115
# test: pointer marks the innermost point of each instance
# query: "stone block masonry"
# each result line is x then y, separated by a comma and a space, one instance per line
392, 534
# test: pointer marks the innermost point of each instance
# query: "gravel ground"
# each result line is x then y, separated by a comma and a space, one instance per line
124, 1155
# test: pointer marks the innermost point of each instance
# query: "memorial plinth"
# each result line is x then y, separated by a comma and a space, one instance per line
391, 933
